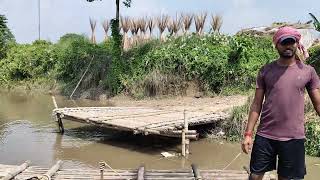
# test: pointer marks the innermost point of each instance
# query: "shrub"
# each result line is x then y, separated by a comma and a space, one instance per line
28, 61
73, 54
213, 61
314, 59
248, 56
313, 138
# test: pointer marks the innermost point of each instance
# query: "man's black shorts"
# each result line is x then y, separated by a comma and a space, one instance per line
291, 157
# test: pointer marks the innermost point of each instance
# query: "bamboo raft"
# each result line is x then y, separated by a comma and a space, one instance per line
27, 172
162, 122
140, 120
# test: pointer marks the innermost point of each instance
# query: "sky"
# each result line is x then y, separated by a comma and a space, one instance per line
59, 17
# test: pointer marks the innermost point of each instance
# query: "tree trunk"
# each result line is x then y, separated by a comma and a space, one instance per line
118, 9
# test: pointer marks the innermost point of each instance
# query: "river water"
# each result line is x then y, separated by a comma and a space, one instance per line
28, 132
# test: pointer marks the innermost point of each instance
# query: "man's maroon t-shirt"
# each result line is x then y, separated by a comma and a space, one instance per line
282, 115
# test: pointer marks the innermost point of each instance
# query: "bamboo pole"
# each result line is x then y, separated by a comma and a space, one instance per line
141, 172
184, 136
193, 137
85, 72
19, 169
187, 132
52, 171
60, 124
183, 149
102, 166
196, 172
186, 124
59, 120
54, 102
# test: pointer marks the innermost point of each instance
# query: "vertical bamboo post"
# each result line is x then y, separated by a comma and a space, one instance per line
183, 149
60, 124
141, 172
196, 172
59, 120
186, 127
102, 166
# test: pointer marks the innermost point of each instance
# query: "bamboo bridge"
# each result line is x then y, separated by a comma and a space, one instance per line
105, 172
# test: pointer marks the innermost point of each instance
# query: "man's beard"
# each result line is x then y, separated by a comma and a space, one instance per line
288, 53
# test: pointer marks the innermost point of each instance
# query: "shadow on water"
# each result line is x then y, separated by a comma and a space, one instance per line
150, 144
90, 145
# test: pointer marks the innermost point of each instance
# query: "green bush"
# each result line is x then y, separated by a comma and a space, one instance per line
73, 54
235, 125
213, 61
314, 58
312, 128
248, 56
27, 61
313, 138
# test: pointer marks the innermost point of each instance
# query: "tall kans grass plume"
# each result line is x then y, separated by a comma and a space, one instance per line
93, 24
150, 25
216, 23
142, 23
187, 21
176, 25
106, 25
162, 24
200, 20
134, 28
125, 24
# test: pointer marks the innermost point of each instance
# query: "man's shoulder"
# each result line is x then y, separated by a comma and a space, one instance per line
306, 67
267, 67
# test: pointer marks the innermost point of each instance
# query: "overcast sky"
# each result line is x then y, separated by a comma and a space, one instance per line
59, 17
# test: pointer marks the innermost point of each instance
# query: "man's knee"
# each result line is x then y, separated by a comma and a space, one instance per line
256, 176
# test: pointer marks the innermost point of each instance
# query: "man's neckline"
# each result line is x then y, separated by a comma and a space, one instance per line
285, 66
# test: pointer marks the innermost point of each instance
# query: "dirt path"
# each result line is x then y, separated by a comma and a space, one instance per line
219, 103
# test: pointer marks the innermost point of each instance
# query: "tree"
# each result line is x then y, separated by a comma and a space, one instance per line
5, 36
316, 23
117, 65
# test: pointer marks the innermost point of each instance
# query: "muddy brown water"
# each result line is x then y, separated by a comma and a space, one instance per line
28, 132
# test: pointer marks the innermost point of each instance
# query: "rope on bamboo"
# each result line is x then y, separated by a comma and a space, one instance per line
104, 164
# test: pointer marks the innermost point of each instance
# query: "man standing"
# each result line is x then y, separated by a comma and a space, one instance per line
280, 134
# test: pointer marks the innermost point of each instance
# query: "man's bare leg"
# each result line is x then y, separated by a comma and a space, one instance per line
256, 176
281, 178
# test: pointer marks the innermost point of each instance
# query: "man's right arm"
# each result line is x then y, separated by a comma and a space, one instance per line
254, 114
